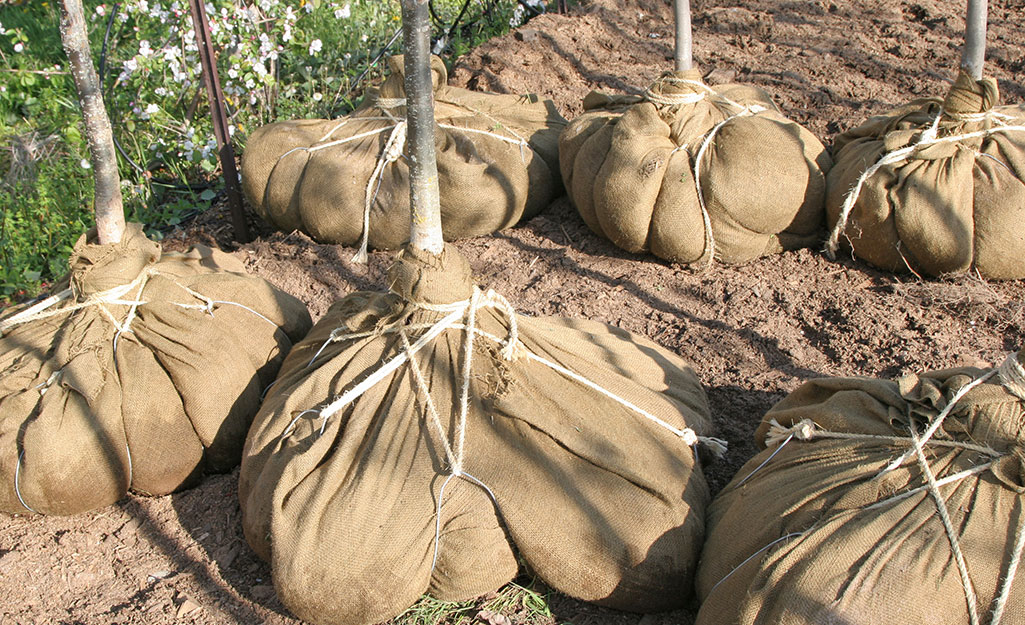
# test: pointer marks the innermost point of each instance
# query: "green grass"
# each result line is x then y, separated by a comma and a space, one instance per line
521, 604
289, 59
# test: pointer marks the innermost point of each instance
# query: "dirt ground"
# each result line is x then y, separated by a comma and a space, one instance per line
753, 333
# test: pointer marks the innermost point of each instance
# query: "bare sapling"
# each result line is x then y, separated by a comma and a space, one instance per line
974, 55
107, 204
425, 203
683, 56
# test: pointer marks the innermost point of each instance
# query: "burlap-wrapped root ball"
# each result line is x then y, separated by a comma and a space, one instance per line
388, 461
143, 374
630, 165
936, 187
877, 501
346, 180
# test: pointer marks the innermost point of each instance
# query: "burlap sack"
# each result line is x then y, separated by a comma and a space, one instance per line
628, 165
949, 196
604, 503
835, 522
497, 164
99, 395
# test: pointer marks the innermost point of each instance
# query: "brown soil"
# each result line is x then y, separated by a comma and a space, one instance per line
753, 333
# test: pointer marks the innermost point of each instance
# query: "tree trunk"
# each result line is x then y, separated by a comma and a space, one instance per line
110, 217
684, 57
425, 218
974, 55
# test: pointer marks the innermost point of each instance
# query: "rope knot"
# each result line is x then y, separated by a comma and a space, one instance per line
1012, 376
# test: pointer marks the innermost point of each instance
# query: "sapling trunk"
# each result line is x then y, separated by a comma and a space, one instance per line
425, 218
684, 41
974, 54
107, 204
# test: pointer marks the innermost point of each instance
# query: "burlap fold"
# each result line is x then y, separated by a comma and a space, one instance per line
935, 187
835, 521
341, 491
142, 375
629, 167
497, 164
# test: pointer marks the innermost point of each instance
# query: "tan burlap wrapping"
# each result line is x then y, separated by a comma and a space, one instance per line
945, 186
497, 164
628, 165
835, 523
602, 502
98, 395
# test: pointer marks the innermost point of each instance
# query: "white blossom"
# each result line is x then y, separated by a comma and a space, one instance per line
316, 46
343, 13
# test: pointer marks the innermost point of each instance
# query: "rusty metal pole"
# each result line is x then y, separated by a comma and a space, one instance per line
208, 61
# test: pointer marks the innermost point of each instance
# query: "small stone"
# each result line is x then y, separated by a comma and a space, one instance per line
262, 592
720, 76
526, 34
188, 607
156, 576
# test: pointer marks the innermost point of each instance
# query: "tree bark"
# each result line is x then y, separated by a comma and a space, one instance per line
684, 42
974, 55
107, 203
425, 219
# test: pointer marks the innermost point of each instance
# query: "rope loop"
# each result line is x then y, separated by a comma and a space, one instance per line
929, 136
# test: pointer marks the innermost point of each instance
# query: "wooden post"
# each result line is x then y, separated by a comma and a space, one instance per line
425, 218
684, 40
974, 55
208, 61
107, 203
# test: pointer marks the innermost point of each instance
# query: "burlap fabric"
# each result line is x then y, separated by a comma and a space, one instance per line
835, 522
144, 377
629, 167
935, 187
497, 164
341, 490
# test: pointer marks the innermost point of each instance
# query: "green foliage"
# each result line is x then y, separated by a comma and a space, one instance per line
522, 604
277, 59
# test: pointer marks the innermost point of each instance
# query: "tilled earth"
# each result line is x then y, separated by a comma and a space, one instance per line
753, 333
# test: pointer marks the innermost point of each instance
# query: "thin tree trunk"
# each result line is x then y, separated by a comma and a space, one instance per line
684, 57
974, 55
107, 204
425, 218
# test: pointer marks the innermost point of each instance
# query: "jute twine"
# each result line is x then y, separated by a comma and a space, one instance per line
928, 137
680, 99
1012, 376
394, 148
115, 296
462, 316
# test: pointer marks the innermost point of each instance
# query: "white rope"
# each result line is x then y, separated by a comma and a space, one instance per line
392, 151
455, 453
114, 297
938, 421
709, 237
1012, 376
512, 349
808, 430
950, 479
927, 138
336, 142
948, 527
1012, 567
